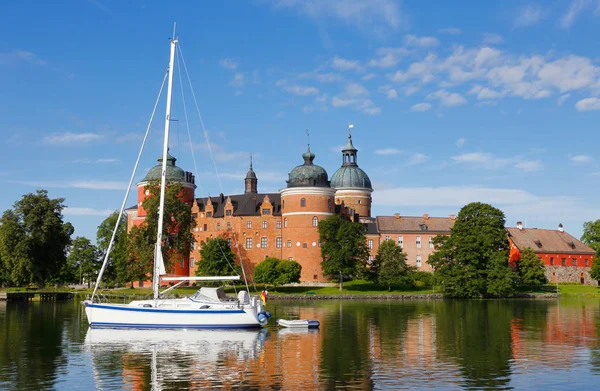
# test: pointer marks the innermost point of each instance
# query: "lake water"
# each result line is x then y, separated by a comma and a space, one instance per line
361, 345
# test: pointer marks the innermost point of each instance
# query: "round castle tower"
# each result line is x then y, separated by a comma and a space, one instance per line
352, 184
307, 199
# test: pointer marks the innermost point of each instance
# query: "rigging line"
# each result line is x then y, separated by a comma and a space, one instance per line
196, 169
137, 162
201, 121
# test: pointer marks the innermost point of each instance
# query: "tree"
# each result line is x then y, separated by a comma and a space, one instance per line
591, 234
274, 271
473, 260
176, 231
530, 269
84, 260
217, 259
34, 239
389, 266
117, 269
343, 247
595, 269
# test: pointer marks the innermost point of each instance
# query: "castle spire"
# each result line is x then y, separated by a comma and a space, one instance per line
251, 181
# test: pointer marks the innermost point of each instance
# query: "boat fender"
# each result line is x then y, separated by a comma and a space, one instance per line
262, 317
268, 314
205, 306
147, 306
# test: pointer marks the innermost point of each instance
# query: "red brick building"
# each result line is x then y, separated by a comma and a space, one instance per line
565, 258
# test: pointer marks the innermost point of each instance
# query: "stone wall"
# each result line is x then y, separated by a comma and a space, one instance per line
569, 274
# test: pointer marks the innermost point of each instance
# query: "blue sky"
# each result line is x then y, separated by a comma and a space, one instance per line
487, 101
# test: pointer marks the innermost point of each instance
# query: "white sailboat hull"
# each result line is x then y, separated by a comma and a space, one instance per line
138, 317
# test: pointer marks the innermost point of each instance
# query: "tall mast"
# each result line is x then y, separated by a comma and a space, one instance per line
163, 177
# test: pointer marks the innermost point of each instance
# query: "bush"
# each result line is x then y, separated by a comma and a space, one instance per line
420, 278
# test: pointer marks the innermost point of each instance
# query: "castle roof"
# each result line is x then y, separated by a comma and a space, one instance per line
414, 224
248, 204
547, 241
308, 174
349, 175
174, 173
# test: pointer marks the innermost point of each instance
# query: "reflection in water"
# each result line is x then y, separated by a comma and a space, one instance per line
441, 345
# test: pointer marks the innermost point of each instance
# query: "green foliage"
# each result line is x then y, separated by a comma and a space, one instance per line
176, 231
117, 266
471, 262
217, 259
420, 278
389, 266
595, 269
591, 234
140, 255
343, 248
83, 261
530, 269
274, 271
34, 239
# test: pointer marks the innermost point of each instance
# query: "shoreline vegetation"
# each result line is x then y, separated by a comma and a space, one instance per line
353, 290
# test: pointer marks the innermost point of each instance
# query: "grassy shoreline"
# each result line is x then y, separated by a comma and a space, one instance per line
355, 289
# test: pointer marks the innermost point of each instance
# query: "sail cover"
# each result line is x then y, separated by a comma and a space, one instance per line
158, 257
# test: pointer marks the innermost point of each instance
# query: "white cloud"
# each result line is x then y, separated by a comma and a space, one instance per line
18, 56
295, 89
355, 89
529, 165
368, 76
94, 185
371, 16
228, 63
482, 159
129, 137
562, 99
448, 99
390, 92
460, 142
388, 151
423, 42
575, 8
528, 15
108, 160
388, 57
342, 64
450, 30
421, 107
484, 93
492, 38
322, 77
238, 80
581, 159
417, 158
69, 138
588, 104
72, 211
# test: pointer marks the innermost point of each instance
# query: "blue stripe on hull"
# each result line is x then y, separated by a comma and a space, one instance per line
97, 325
207, 311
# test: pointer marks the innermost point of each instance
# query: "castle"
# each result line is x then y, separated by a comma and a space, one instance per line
285, 224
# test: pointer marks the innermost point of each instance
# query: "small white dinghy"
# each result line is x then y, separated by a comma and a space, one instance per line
298, 323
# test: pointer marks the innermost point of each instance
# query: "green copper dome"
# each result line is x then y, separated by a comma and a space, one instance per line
174, 173
308, 174
350, 175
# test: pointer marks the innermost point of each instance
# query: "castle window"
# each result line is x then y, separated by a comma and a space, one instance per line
208, 214
359, 201
249, 224
205, 227
266, 211
328, 204
431, 242
564, 261
370, 243
193, 245
302, 202
229, 242
218, 226
387, 237
194, 216
290, 258
278, 242
248, 242
182, 263
587, 263
228, 225
264, 224
192, 262
400, 241
574, 262
418, 241
315, 222
263, 242
551, 261
228, 212
289, 243
284, 223
278, 224
304, 245
418, 260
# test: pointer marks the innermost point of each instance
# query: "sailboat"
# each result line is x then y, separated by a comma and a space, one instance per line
208, 308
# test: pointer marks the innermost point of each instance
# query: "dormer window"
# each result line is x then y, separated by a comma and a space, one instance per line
228, 212
266, 211
538, 243
424, 227
208, 214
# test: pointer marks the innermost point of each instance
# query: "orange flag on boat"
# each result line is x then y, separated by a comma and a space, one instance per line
263, 297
